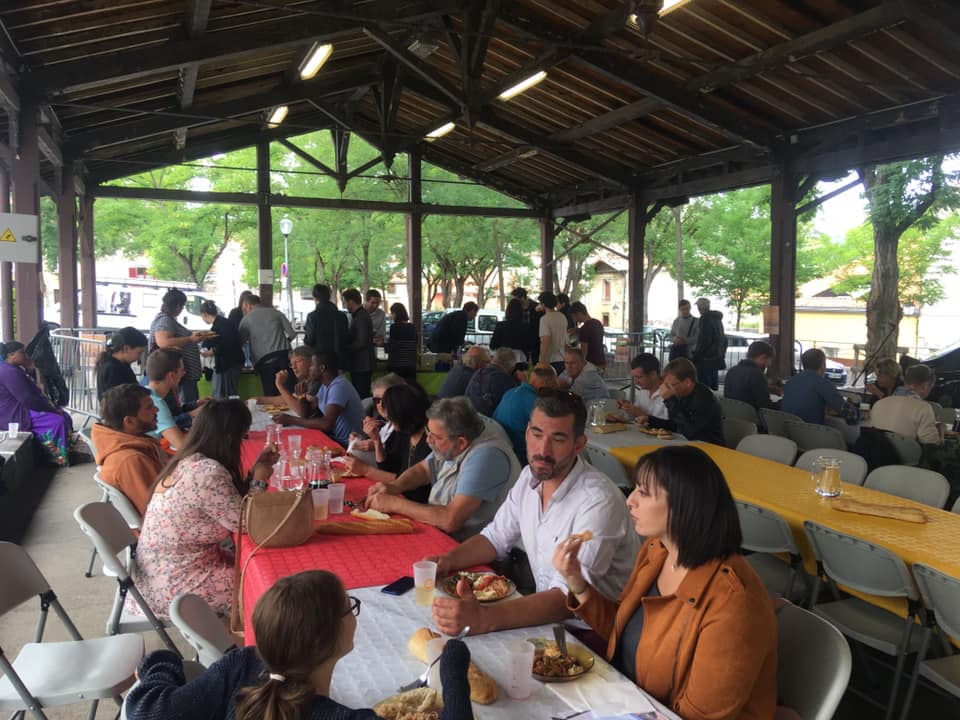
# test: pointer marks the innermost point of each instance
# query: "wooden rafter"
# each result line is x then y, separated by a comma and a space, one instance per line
195, 16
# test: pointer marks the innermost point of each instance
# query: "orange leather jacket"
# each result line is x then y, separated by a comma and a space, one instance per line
709, 651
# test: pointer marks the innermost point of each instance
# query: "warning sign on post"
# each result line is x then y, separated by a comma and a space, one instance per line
19, 238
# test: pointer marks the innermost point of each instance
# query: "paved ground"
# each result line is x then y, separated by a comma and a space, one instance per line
62, 551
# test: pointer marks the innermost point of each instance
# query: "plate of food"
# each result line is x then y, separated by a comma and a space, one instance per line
206, 333
614, 417
551, 665
273, 409
659, 433
488, 587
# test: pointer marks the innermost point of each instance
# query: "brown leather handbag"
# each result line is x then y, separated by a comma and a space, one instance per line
280, 519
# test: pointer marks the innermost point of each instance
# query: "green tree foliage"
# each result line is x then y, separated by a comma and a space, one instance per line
900, 197
729, 257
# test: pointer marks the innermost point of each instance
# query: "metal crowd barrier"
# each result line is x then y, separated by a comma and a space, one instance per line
621, 348
76, 350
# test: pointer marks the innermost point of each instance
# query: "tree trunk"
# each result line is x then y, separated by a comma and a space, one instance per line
676, 219
883, 306
459, 283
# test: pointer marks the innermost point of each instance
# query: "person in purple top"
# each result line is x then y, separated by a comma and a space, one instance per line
22, 402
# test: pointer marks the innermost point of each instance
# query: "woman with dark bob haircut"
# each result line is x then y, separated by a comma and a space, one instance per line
304, 624
195, 506
404, 407
694, 627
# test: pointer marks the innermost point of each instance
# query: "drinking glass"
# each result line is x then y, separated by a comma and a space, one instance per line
336, 497
13, 429
826, 476
321, 500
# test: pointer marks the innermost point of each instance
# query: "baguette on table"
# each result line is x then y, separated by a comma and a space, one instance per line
895, 512
395, 526
483, 689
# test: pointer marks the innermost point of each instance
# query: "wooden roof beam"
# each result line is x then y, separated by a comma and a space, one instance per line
932, 15
306, 28
889, 13
158, 123
196, 13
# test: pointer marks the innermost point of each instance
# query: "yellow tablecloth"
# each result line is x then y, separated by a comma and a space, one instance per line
789, 492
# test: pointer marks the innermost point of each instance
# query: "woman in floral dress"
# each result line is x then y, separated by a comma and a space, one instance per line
195, 506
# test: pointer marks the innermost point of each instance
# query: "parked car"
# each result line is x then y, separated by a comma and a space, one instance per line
479, 330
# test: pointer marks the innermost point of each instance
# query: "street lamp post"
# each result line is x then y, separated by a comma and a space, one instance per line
286, 225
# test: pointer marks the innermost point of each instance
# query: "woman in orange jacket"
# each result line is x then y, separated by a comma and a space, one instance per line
694, 627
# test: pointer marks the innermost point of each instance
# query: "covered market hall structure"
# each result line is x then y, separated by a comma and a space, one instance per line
573, 107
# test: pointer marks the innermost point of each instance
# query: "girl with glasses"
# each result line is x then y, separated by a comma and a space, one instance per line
304, 624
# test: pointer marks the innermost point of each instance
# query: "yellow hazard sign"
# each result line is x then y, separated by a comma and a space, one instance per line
8, 236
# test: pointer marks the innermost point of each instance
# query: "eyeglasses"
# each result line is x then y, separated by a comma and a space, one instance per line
354, 606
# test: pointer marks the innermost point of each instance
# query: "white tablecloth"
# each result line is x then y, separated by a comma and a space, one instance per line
627, 438
380, 662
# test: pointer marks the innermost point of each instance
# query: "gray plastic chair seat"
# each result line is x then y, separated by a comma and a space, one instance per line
853, 468
869, 624
764, 533
813, 663
62, 673
609, 466
918, 484
810, 436
734, 430
201, 627
739, 409
771, 447
773, 420
908, 449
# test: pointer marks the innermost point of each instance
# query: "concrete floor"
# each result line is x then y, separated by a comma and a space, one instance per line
62, 551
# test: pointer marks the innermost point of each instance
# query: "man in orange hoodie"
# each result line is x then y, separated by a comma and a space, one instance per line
129, 459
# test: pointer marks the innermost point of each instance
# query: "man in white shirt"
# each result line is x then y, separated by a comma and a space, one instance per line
556, 495
907, 412
378, 318
645, 371
553, 332
582, 377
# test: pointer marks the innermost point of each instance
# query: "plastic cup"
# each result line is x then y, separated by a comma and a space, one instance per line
520, 669
424, 579
294, 444
336, 490
434, 648
13, 429
321, 501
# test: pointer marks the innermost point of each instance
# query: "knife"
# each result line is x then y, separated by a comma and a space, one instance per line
560, 635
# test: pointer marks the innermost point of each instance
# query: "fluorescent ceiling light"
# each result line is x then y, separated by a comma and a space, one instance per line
440, 131
523, 85
277, 116
314, 60
668, 6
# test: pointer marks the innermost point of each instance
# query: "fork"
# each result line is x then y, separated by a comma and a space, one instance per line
422, 680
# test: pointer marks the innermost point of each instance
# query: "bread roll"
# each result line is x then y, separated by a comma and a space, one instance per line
895, 512
483, 689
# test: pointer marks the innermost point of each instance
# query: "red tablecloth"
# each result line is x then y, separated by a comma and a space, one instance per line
358, 560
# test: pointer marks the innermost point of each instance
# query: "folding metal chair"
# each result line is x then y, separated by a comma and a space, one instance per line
735, 430
773, 420
766, 533
49, 674
924, 486
739, 409
201, 627
860, 565
129, 511
111, 535
810, 436
941, 596
813, 663
609, 466
853, 468
772, 447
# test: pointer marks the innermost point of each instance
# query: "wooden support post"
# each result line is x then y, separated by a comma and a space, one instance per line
6, 268
67, 247
636, 232
88, 263
415, 247
264, 224
26, 200
547, 236
783, 263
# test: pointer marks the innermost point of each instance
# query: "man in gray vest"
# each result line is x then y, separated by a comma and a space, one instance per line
471, 470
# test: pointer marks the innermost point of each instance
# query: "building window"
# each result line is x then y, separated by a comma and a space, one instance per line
606, 291
605, 319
